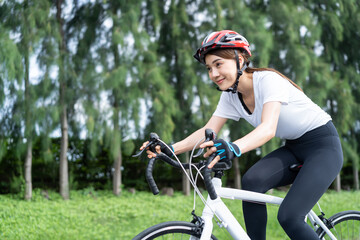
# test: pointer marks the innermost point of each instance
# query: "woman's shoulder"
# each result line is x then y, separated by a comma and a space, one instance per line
266, 74
265, 78
228, 96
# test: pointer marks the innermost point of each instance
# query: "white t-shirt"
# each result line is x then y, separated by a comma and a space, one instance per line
298, 113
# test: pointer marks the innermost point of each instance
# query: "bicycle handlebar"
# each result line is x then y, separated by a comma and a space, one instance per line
210, 135
150, 178
207, 178
154, 139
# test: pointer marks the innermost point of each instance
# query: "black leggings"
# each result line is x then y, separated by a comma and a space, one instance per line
319, 151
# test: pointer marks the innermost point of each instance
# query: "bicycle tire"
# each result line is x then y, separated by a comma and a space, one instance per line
344, 225
171, 230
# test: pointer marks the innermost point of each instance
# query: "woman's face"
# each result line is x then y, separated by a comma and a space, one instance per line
221, 71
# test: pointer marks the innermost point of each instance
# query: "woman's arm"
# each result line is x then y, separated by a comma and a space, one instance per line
265, 131
256, 138
215, 123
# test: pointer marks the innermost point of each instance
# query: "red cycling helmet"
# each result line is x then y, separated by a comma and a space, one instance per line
221, 39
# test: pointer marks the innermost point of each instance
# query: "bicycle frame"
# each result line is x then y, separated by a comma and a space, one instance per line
214, 205
217, 207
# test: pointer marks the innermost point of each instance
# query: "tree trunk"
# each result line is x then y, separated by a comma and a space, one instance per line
28, 127
118, 158
64, 175
237, 175
28, 163
64, 172
117, 175
185, 180
338, 183
356, 176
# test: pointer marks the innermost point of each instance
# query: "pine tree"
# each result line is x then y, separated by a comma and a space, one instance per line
85, 29
172, 24
334, 73
63, 79
120, 78
11, 74
27, 18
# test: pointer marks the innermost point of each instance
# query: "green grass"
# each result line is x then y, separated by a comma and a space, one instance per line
100, 215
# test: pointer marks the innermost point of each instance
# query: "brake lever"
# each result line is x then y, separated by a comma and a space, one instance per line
209, 136
153, 139
139, 153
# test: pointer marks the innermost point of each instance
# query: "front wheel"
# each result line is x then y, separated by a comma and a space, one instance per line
344, 225
172, 230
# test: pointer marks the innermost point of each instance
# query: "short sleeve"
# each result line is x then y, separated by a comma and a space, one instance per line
273, 87
226, 108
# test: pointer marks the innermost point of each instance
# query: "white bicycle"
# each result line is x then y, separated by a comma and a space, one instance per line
343, 225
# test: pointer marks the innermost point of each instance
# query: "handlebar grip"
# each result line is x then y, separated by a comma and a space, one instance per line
150, 178
209, 136
207, 179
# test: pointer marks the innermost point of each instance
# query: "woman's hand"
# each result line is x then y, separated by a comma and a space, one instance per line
150, 154
226, 151
211, 149
160, 147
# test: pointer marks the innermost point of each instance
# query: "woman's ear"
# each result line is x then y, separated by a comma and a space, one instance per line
241, 61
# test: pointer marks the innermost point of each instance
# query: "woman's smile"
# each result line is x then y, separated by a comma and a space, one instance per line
218, 82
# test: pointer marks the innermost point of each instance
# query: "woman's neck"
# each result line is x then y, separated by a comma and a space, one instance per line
245, 86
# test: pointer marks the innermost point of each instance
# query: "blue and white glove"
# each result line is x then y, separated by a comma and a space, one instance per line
226, 150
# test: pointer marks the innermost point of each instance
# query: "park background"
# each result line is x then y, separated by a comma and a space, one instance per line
83, 83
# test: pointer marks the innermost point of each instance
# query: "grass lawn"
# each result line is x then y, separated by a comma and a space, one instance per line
100, 215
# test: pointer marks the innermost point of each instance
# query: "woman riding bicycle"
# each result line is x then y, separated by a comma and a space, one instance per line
276, 107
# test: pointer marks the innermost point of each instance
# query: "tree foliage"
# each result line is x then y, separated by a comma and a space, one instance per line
124, 69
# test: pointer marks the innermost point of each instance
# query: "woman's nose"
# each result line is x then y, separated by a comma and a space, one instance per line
214, 73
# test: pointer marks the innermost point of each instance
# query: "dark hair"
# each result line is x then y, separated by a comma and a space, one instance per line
230, 54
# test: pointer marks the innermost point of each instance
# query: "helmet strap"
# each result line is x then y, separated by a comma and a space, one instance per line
233, 89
